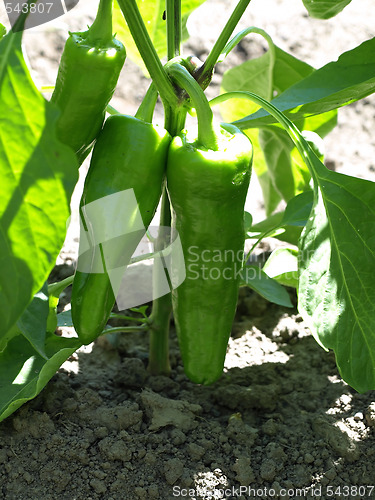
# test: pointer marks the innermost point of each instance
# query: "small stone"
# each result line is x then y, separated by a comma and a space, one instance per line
115, 450
195, 451
270, 427
330, 474
244, 472
178, 437
163, 412
308, 458
140, 492
150, 458
98, 486
173, 470
268, 470
153, 491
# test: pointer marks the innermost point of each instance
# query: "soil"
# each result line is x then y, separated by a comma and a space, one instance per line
280, 421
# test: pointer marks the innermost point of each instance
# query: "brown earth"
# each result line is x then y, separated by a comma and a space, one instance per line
280, 421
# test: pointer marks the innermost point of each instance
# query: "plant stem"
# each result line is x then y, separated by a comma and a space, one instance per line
101, 28
205, 72
174, 31
125, 329
146, 109
174, 122
206, 133
129, 318
147, 50
158, 363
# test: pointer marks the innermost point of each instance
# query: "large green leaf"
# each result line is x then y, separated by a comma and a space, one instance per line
152, 14
337, 263
281, 173
24, 372
350, 78
252, 75
287, 225
270, 289
33, 322
325, 9
289, 177
37, 175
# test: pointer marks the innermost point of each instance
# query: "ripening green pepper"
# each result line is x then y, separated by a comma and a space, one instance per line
208, 188
87, 77
129, 154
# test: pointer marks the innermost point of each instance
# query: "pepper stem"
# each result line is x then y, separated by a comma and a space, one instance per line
206, 133
147, 50
146, 109
100, 32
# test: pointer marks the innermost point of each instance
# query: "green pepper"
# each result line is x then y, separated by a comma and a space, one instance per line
88, 73
207, 180
129, 154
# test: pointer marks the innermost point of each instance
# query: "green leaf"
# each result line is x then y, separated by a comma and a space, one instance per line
336, 84
285, 226
281, 172
282, 266
255, 278
38, 175
255, 75
152, 14
336, 282
24, 372
298, 209
239, 78
33, 322
248, 221
289, 177
271, 197
288, 70
325, 9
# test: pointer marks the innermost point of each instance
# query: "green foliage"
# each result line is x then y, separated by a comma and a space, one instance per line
280, 171
325, 9
336, 295
256, 279
336, 84
336, 286
24, 372
329, 219
37, 181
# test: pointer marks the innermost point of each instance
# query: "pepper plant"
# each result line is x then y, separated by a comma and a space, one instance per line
273, 125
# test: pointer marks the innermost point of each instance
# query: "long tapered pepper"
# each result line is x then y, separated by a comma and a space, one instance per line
208, 179
88, 73
129, 154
